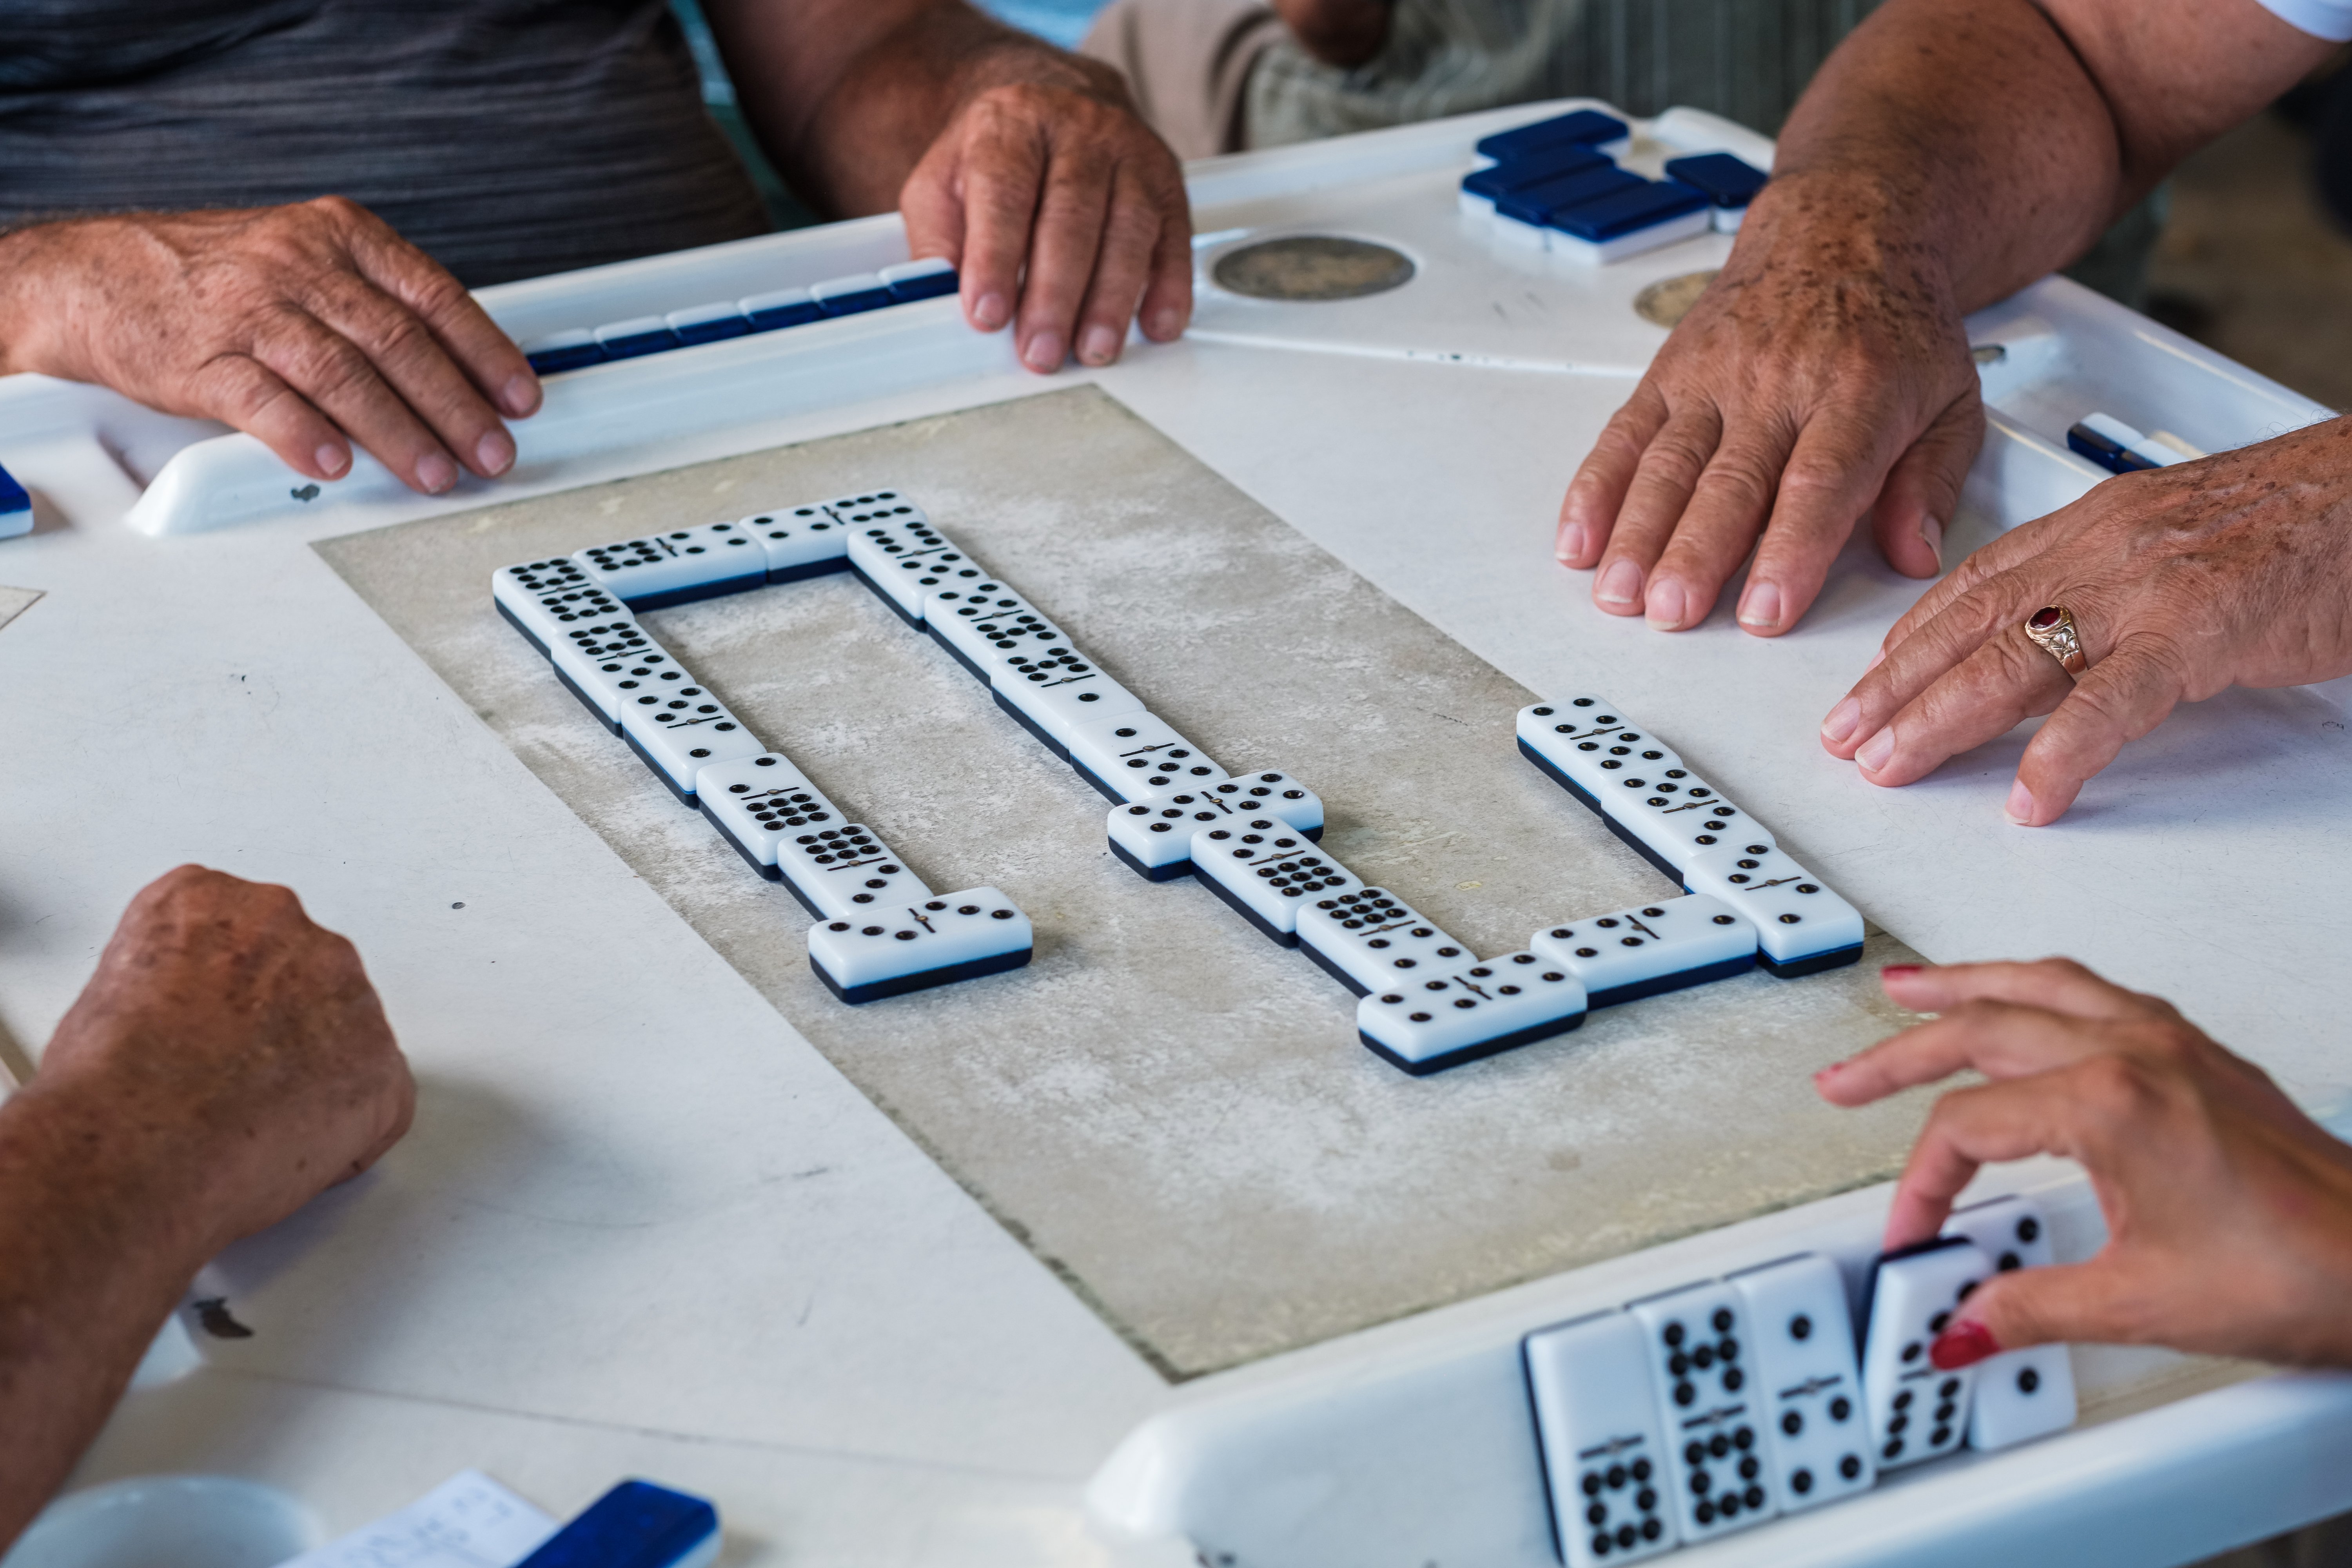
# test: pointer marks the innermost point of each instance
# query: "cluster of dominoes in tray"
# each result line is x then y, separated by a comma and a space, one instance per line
1555, 185
722, 319
1711, 1408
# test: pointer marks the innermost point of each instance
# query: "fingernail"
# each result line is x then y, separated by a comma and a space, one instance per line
1875, 660
1621, 584
1664, 608
1830, 1070
1965, 1344
1100, 346
1571, 546
2018, 808
1875, 751
521, 395
1841, 721
1931, 531
1760, 605
1044, 352
436, 473
1899, 971
1166, 323
495, 455
332, 461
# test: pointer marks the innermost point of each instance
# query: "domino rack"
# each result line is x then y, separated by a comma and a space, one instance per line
1425, 1002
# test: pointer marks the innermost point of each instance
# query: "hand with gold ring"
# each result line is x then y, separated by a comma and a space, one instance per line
2167, 586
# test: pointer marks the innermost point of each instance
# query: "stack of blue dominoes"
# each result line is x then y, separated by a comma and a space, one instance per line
1555, 185
640, 335
15, 508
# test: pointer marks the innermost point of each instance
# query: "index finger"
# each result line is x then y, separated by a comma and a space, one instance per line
2060, 985
1969, 1129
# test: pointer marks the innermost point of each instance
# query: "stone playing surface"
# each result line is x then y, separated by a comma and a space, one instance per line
1171, 1112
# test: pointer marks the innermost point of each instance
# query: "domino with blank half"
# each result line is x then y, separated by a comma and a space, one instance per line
1601, 1441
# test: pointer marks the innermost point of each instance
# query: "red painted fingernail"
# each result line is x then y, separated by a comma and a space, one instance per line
1900, 970
1965, 1344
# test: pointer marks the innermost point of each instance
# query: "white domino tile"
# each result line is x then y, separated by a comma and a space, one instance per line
1154, 836
1587, 744
610, 663
928, 942
1056, 691
1496, 1004
1916, 1411
678, 567
1271, 792
1130, 756
1718, 1465
845, 872
759, 803
799, 541
898, 552
2020, 1394
1650, 948
1267, 870
1369, 939
1603, 1445
678, 734
545, 599
985, 625
1802, 927
1805, 1382
1672, 816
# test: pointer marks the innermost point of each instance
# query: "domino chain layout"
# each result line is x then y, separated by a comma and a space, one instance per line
1718, 1406
1426, 1002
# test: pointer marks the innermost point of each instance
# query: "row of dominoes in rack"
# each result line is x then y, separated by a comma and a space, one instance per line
1686, 1415
721, 319
1556, 185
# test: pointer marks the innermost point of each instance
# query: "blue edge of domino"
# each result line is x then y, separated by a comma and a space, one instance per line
1720, 1404
636, 1525
1251, 837
1556, 187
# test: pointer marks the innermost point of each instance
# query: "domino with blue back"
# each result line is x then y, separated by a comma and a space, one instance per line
1473, 1012
1730, 184
1628, 222
636, 1525
609, 664
16, 507
804, 542
1524, 217
636, 336
708, 324
850, 295
559, 351
1153, 836
925, 280
931, 941
1481, 188
843, 870
778, 309
1583, 128
985, 624
1651, 949
2117, 447
680, 732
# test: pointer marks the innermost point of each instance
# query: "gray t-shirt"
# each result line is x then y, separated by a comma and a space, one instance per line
506, 138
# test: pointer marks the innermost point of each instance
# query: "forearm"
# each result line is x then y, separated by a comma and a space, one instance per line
93, 1260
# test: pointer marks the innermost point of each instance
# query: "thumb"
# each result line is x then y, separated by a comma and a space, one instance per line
1916, 503
2067, 1302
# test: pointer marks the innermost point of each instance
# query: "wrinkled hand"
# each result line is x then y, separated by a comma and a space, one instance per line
1047, 162
310, 326
2233, 571
230, 1043
2229, 1211
1824, 375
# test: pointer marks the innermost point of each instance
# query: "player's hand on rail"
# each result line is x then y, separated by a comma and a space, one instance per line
2229, 1211
1822, 378
1063, 212
2235, 570
312, 327
230, 1054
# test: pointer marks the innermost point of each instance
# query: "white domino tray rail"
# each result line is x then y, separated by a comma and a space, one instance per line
743, 1280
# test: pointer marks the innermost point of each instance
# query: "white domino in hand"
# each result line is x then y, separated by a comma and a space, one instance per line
845, 872
1806, 1384
930, 942
679, 567
1268, 871
1802, 927
1494, 1005
1917, 1411
2020, 1394
1369, 939
803, 542
1651, 949
1718, 1465
545, 599
1130, 756
758, 804
678, 734
1605, 1453
608, 664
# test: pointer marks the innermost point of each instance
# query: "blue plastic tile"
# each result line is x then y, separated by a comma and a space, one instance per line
848, 296
636, 1525
563, 351
1536, 204
913, 280
1726, 181
2112, 456
1519, 173
708, 324
783, 307
13, 499
1624, 211
1584, 126
631, 339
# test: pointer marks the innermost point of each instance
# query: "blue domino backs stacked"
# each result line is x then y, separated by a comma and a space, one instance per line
15, 508
722, 319
1555, 187
636, 1525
